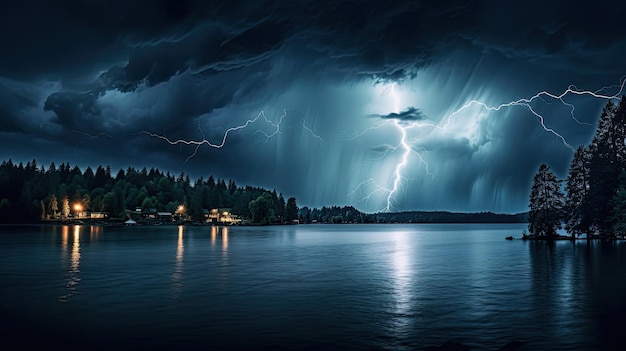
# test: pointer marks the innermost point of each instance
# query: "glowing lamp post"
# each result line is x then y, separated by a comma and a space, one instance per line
78, 208
180, 211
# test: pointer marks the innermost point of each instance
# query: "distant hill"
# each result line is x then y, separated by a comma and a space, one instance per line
450, 217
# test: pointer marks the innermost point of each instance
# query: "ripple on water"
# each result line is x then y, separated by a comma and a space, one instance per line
396, 287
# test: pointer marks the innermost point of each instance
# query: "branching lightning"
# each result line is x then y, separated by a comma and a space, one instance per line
526, 102
195, 151
274, 126
358, 135
407, 148
89, 137
260, 117
203, 141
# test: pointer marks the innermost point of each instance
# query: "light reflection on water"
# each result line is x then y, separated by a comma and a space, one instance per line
324, 287
177, 276
402, 284
73, 277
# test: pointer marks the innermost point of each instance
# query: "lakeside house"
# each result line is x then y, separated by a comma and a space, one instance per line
98, 215
164, 216
222, 215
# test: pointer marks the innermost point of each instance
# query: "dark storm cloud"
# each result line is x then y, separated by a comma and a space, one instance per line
558, 33
410, 114
72, 110
388, 39
166, 37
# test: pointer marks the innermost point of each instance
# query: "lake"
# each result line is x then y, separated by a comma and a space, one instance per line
308, 287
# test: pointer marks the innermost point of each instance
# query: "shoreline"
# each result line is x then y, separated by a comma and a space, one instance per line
120, 223
565, 238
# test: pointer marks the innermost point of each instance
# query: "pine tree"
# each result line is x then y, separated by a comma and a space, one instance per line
291, 209
280, 207
607, 155
618, 205
546, 204
577, 212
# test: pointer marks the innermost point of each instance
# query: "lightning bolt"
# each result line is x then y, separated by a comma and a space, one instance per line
526, 102
89, 137
195, 151
311, 132
226, 133
407, 149
365, 198
363, 132
400, 166
204, 141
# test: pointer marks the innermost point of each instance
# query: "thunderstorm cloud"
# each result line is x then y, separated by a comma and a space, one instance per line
80, 82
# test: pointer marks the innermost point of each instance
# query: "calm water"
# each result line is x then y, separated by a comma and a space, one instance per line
311, 287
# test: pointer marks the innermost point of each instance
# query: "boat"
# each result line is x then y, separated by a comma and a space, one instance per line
510, 238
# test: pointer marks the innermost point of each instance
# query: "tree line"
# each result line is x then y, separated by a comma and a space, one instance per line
31, 193
592, 200
451, 217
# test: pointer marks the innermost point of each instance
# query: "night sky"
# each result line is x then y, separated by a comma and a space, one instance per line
340, 102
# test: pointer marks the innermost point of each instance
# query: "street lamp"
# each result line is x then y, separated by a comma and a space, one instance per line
78, 208
180, 211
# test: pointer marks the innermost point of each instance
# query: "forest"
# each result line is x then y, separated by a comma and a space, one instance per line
591, 201
32, 193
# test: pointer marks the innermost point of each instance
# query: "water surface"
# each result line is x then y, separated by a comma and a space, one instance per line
313, 287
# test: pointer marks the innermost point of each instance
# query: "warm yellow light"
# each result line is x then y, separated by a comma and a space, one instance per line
78, 207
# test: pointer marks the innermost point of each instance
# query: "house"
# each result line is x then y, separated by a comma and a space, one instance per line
149, 213
214, 215
223, 215
98, 215
165, 216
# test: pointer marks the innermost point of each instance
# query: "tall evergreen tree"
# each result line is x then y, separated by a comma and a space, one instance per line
607, 155
577, 211
291, 209
280, 207
618, 207
546, 204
